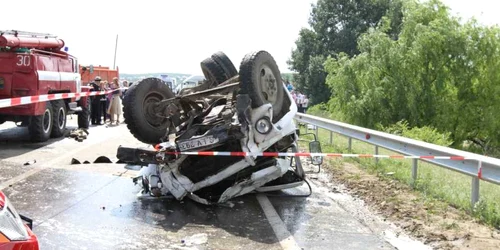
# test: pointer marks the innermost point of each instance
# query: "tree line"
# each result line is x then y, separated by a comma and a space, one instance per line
386, 64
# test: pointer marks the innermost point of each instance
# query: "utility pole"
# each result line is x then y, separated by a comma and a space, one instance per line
116, 46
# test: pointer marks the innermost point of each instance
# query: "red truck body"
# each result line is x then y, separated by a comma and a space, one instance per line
105, 73
33, 64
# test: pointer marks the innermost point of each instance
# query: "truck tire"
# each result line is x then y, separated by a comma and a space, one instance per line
213, 72
59, 118
260, 78
140, 119
84, 115
40, 126
225, 63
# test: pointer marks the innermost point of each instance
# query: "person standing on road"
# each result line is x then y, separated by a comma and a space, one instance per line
289, 86
305, 103
104, 101
124, 85
300, 99
95, 110
294, 96
115, 104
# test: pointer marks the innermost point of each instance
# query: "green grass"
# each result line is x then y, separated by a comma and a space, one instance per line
433, 182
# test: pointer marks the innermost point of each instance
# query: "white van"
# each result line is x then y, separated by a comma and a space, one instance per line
170, 81
189, 82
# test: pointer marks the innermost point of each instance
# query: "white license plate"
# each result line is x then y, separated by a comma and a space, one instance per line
198, 143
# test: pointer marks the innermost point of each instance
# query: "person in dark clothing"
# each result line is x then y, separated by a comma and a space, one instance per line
104, 102
95, 110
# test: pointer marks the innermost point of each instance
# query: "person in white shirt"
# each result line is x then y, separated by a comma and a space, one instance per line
305, 102
300, 99
294, 97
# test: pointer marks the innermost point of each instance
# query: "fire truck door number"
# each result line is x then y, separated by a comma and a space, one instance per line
23, 60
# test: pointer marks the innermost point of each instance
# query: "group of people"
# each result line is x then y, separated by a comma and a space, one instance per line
300, 99
108, 106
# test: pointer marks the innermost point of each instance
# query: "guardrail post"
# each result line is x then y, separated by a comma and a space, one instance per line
475, 191
331, 138
376, 153
350, 144
475, 186
414, 172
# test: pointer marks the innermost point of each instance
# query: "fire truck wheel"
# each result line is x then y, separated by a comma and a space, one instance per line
59, 118
213, 72
225, 63
84, 115
40, 126
138, 109
260, 78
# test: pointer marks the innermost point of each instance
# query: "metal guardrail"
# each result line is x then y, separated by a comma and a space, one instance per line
479, 167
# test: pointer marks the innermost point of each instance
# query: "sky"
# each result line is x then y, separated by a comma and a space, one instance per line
176, 35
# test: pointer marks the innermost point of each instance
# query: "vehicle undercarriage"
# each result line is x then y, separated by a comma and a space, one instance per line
231, 111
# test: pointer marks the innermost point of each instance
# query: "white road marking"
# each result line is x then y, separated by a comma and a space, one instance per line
287, 241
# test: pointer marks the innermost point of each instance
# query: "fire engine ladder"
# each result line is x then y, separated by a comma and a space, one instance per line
26, 34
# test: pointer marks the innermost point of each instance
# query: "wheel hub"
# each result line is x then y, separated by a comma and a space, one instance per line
46, 121
60, 118
268, 84
149, 105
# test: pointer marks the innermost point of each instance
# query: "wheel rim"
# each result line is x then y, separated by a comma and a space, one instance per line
60, 118
148, 108
47, 120
268, 84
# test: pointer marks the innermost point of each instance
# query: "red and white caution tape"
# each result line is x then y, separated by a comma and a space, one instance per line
281, 154
11, 102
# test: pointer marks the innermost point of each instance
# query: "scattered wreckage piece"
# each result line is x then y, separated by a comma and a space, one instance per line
79, 134
245, 111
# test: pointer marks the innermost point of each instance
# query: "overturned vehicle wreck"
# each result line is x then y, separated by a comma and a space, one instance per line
247, 111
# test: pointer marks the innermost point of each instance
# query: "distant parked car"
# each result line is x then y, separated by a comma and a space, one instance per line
14, 233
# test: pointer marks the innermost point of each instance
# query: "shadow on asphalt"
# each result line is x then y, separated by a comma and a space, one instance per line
15, 141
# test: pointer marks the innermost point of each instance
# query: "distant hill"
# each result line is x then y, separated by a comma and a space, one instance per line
137, 77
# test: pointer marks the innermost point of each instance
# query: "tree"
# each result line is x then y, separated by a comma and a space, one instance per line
335, 28
438, 73
339, 23
307, 47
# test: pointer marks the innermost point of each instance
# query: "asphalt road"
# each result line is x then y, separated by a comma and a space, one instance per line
95, 206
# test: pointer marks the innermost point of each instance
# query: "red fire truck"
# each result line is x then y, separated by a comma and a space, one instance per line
34, 64
89, 73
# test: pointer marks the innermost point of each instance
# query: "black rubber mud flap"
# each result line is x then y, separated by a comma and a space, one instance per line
75, 161
102, 159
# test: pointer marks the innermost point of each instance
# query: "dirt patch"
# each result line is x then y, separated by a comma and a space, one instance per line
433, 222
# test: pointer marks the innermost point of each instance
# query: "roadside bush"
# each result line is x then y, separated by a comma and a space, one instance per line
426, 133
